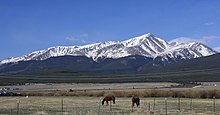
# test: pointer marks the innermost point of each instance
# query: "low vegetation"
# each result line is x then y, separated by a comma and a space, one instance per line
201, 93
69, 105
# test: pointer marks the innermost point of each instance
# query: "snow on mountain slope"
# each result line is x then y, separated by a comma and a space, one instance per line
147, 45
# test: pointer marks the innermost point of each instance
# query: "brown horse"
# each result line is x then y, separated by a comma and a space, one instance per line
135, 99
108, 98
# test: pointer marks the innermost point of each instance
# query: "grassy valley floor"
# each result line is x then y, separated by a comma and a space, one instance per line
44, 105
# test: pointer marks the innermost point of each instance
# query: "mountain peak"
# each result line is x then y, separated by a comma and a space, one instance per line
138, 40
148, 35
144, 36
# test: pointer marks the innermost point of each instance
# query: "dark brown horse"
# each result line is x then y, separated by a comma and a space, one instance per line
135, 99
108, 98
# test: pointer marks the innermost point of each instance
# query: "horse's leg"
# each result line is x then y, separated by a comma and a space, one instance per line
106, 102
103, 101
138, 104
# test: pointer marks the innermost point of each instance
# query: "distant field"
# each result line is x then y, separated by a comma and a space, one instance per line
90, 106
105, 86
87, 86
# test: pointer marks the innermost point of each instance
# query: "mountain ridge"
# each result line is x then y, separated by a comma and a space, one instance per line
146, 45
129, 64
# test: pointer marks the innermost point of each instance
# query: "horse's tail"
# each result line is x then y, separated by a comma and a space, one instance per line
103, 101
138, 102
113, 99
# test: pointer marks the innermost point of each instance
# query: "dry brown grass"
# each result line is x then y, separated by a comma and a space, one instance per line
51, 105
142, 93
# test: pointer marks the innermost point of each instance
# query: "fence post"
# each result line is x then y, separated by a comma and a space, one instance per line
148, 106
62, 105
132, 107
213, 103
179, 103
191, 104
18, 111
11, 111
166, 105
154, 103
99, 106
110, 107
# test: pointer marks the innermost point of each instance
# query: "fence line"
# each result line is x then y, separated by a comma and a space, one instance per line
155, 105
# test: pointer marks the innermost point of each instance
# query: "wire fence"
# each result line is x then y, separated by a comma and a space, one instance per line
93, 106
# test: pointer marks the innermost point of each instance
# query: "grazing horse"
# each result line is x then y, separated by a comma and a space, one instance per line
135, 99
108, 98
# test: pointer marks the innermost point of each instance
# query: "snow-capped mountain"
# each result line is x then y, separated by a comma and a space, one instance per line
146, 45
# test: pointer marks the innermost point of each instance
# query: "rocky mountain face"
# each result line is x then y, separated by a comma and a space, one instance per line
146, 45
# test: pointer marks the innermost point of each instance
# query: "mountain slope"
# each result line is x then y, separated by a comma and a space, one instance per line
74, 69
203, 63
77, 64
146, 45
129, 64
203, 69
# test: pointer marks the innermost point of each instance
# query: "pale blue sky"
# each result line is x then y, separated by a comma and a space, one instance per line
30, 25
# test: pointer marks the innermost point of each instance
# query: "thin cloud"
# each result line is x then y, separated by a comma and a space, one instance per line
183, 39
78, 39
209, 23
204, 39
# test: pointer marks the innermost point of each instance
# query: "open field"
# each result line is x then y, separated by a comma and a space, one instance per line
107, 86
55, 99
87, 86
91, 106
